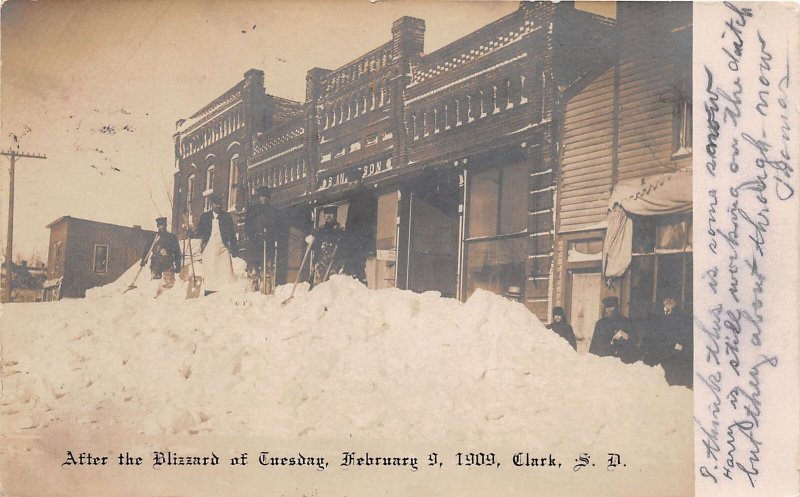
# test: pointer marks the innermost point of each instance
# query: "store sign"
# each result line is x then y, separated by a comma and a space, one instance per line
362, 172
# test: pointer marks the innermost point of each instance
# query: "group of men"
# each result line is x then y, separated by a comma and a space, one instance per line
218, 244
334, 249
666, 339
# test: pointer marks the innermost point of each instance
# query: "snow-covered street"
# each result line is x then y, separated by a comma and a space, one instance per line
336, 365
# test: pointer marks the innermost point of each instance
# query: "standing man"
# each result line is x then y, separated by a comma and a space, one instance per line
218, 244
325, 243
562, 328
669, 342
614, 334
165, 256
259, 225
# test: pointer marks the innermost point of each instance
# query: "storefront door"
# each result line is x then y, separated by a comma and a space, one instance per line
584, 308
433, 251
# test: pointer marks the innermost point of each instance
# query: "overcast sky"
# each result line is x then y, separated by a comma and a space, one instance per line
97, 86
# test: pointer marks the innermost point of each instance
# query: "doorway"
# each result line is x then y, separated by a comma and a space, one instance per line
584, 305
433, 240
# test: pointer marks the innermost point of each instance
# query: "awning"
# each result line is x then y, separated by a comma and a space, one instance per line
668, 193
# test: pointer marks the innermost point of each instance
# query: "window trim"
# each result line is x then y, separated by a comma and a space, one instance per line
94, 259
233, 179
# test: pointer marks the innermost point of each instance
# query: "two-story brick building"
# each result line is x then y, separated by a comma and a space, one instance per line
490, 162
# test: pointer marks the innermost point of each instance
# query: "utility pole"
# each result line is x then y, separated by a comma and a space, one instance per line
12, 154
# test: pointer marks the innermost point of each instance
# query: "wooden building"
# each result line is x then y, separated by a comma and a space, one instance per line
446, 160
626, 141
84, 254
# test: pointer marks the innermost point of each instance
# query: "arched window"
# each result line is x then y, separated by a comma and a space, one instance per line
210, 179
189, 192
233, 182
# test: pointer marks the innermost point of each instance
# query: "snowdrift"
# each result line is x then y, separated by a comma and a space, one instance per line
337, 363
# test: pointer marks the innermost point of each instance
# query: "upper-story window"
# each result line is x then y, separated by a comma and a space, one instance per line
58, 253
190, 192
682, 94
209, 180
233, 183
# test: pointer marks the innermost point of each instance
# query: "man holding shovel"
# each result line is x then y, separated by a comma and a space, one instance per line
165, 256
259, 225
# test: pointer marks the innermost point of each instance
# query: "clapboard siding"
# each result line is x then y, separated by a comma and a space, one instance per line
647, 85
586, 172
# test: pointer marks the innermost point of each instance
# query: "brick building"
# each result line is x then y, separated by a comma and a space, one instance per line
84, 254
212, 146
481, 164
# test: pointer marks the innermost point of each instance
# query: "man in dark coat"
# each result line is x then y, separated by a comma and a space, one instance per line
614, 334
227, 228
217, 234
668, 341
259, 226
326, 241
359, 239
562, 328
165, 256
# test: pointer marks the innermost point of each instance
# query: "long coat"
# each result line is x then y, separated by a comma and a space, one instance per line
603, 343
259, 226
226, 228
165, 255
668, 341
565, 331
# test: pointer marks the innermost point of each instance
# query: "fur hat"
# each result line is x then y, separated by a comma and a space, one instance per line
161, 221
611, 302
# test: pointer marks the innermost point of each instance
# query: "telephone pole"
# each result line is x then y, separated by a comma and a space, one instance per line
12, 155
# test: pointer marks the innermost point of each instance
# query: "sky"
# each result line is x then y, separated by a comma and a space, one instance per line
97, 86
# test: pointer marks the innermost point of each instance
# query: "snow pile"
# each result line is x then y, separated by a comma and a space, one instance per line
336, 362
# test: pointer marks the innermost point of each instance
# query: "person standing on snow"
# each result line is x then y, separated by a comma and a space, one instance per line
562, 328
259, 225
218, 244
669, 342
614, 334
324, 242
165, 256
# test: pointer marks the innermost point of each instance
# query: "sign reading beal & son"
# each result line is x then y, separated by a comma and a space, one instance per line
362, 171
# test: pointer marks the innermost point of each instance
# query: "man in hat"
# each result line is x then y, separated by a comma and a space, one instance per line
668, 341
514, 293
165, 256
218, 244
614, 334
324, 246
562, 328
259, 225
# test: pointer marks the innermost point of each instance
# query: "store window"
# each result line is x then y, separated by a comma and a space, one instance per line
100, 261
496, 240
662, 263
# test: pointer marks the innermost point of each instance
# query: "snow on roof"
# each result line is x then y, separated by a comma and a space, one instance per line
338, 364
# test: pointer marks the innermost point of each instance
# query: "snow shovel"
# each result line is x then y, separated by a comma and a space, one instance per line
330, 264
196, 282
147, 256
264, 270
299, 272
